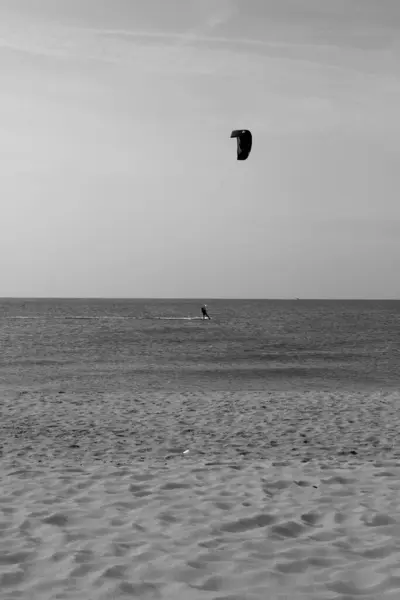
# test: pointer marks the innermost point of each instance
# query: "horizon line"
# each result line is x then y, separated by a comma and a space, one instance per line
209, 299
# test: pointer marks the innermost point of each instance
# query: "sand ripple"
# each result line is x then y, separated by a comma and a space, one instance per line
193, 530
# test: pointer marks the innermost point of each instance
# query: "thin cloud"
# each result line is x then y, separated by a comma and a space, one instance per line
198, 38
199, 49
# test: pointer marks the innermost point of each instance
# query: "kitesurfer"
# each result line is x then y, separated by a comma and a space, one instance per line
204, 312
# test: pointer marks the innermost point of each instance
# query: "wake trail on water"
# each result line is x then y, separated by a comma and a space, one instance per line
104, 318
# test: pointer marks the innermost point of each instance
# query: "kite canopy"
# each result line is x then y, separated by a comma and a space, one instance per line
244, 142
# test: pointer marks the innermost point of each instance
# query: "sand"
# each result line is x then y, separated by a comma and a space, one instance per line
193, 531
78, 422
100, 503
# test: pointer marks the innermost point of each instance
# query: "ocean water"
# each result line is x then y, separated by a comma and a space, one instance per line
148, 453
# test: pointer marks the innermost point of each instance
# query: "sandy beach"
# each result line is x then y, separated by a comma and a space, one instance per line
189, 499
192, 530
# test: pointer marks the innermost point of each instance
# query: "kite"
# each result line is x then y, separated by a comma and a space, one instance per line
244, 142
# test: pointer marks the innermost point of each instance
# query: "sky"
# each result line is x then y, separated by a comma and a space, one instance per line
118, 175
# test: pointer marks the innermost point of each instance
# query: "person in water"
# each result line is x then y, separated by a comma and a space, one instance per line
204, 312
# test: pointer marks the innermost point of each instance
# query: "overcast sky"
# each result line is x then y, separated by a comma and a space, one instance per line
118, 176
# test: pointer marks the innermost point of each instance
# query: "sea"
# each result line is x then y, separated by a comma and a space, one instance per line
146, 452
